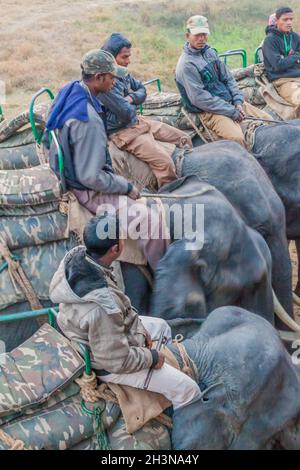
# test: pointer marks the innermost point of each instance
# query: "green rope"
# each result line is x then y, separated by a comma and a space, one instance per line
102, 438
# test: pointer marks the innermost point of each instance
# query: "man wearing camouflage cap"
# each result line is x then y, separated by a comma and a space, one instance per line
208, 87
78, 119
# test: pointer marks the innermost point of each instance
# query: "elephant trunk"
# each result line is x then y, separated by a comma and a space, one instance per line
281, 273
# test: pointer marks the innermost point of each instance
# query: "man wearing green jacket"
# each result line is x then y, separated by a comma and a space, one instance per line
281, 51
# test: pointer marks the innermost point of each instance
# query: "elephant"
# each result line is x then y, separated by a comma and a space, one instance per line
276, 149
236, 173
231, 267
249, 383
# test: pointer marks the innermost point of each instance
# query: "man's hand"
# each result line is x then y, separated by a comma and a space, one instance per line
149, 341
129, 99
240, 114
161, 360
134, 193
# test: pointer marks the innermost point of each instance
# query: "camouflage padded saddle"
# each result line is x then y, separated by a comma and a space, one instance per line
38, 368
40, 402
36, 185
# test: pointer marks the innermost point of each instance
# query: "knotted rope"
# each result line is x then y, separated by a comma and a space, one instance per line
13, 444
91, 392
17, 274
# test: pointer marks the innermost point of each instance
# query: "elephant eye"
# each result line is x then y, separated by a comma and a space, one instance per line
204, 399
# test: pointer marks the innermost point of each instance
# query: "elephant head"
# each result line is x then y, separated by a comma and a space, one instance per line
250, 385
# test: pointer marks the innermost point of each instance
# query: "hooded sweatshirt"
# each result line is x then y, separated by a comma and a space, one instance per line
120, 113
281, 54
95, 312
206, 83
79, 121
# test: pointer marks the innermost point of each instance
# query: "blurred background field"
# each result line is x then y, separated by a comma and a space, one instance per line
42, 42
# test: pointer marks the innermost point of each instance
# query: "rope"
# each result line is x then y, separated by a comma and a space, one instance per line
191, 122
211, 136
64, 204
173, 196
13, 444
189, 367
102, 438
178, 163
91, 392
40, 150
17, 274
212, 139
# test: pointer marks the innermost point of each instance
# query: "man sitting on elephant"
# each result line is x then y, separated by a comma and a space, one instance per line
281, 51
136, 134
78, 118
208, 87
94, 310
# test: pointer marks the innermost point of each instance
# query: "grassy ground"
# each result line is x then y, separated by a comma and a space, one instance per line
42, 42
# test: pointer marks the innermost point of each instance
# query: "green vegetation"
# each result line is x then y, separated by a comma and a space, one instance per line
157, 29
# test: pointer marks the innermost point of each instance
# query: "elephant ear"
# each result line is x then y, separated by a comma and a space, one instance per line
196, 299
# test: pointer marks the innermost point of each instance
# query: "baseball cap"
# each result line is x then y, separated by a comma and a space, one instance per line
99, 61
197, 24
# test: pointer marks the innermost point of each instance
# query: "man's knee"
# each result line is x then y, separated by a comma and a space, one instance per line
236, 135
187, 392
155, 326
165, 162
163, 326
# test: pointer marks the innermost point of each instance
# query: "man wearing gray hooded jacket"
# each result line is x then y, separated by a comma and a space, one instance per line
208, 87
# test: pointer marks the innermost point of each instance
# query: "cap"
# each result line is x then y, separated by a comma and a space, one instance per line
197, 24
99, 61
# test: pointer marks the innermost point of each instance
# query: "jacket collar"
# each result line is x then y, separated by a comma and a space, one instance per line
192, 51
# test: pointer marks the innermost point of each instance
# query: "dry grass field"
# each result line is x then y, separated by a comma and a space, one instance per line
43, 41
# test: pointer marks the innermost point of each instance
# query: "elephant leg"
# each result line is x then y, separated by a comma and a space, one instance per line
281, 273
